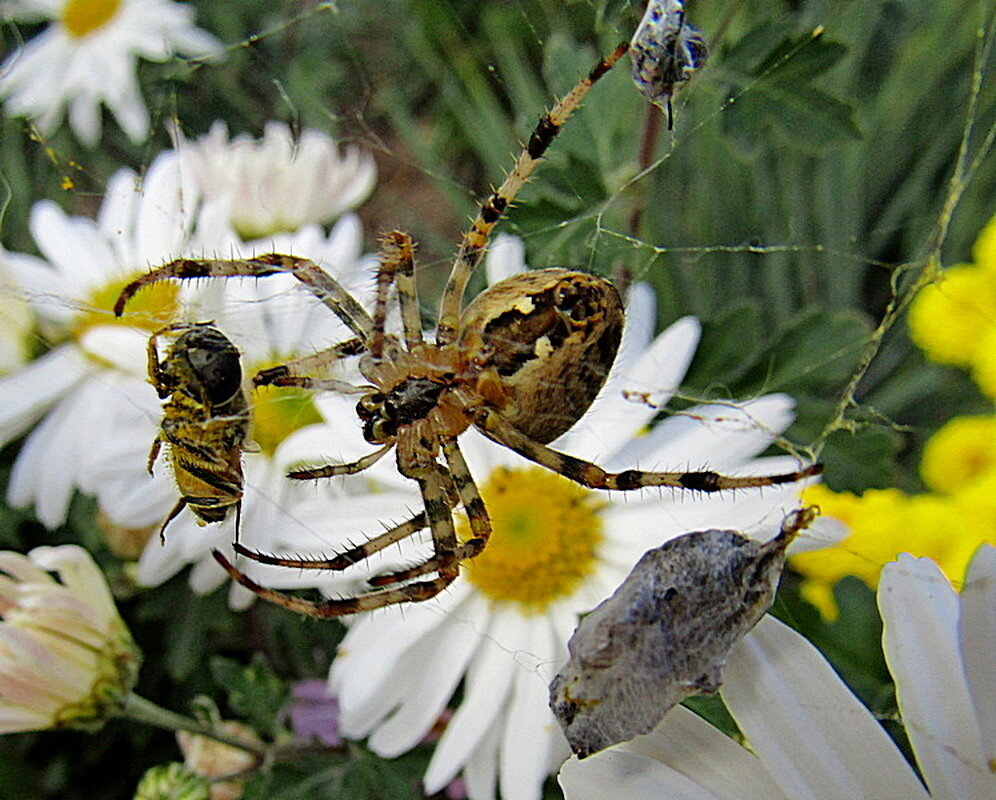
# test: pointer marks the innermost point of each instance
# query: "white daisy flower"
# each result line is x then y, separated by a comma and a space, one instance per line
809, 736
98, 414
90, 389
556, 551
66, 658
87, 58
278, 183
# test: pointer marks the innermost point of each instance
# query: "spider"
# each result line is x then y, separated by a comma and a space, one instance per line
521, 363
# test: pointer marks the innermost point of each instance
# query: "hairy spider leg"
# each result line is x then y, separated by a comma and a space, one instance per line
491, 424
300, 372
347, 558
332, 470
477, 516
473, 242
322, 285
397, 266
440, 521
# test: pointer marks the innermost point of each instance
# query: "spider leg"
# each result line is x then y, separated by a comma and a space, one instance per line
355, 554
337, 607
397, 265
300, 372
477, 515
474, 240
331, 470
432, 484
492, 425
322, 285
346, 558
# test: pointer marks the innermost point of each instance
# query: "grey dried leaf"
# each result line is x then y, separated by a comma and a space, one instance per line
666, 632
665, 51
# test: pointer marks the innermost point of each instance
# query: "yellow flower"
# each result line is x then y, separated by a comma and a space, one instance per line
984, 251
948, 319
67, 660
984, 365
959, 453
882, 523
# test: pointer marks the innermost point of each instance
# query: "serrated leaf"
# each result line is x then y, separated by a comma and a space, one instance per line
254, 691
776, 91
816, 351
859, 460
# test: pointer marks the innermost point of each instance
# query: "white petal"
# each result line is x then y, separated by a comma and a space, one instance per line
481, 773
27, 394
530, 727
437, 666
977, 636
920, 614
693, 748
813, 735
372, 659
506, 257
485, 697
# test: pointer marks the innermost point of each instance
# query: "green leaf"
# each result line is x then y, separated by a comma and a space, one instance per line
816, 351
864, 459
254, 691
729, 344
776, 91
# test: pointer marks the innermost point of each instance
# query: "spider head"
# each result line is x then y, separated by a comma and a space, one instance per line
407, 402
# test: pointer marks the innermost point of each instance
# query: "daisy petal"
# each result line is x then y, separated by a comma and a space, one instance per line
450, 649
489, 681
920, 614
815, 737
977, 636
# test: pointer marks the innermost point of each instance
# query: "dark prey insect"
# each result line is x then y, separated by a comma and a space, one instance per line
665, 51
521, 363
205, 419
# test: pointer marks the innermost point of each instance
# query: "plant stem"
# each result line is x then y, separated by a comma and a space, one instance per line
138, 709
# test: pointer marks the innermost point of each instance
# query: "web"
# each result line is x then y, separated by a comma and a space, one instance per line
823, 167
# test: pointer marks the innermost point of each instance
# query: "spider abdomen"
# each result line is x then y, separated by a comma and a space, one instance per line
549, 338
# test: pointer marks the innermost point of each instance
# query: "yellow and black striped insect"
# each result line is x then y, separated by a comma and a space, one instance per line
205, 419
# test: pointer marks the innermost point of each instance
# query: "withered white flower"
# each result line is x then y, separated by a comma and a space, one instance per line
277, 183
67, 660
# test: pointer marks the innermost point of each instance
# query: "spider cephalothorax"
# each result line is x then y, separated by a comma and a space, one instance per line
521, 363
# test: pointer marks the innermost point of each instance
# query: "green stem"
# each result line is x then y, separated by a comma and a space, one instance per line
138, 709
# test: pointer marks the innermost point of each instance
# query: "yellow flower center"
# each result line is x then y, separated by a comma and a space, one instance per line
278, 411
81, 17
152, 308
546, 532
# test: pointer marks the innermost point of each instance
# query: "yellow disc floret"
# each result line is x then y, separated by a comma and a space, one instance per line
545, 540
151, 309
81, 17
279, 411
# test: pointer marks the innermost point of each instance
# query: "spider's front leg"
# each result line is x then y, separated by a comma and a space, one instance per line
320, 283
492, 425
